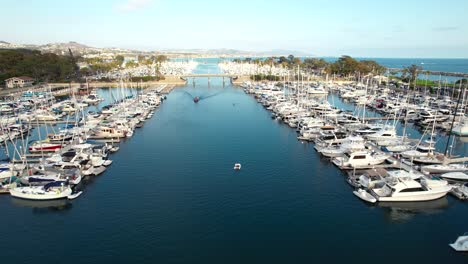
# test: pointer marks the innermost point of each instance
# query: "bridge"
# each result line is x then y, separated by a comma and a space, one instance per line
193, 75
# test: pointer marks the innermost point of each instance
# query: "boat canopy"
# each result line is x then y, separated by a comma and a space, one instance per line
54, 184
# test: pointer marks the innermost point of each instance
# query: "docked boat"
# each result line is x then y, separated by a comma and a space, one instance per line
74, 195
40, 179
59, 137
45, 116
405, 189
440, 168
7, 170
461, 129
50, 191
385, 134
460, 191
461, 244
455, 176
44, 146
349, 144
364, 195
108, 133
92, 98
360, 159
420, 151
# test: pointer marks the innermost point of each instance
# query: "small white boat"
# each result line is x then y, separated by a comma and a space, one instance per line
456, 176
114, 149
237, 166
74, 195
98, 170
460, 191
364, 195
461, 244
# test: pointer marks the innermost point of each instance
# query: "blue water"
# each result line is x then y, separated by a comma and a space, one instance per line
444, 65
171, 196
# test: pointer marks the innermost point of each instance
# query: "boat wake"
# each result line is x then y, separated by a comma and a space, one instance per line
202, 97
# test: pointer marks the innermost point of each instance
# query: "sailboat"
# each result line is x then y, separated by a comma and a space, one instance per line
51, 191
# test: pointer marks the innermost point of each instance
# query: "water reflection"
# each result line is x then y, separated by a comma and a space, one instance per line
404, 211
44, 206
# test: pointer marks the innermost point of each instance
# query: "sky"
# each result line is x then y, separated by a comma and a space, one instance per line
360, 28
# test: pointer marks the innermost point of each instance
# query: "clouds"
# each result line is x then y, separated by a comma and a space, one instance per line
132, 5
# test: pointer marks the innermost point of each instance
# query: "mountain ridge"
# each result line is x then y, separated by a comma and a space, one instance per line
82, 49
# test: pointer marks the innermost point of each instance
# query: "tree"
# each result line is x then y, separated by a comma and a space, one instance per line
130, 64
411, 72
314, 64
370, 66
345, 65
282, 60
42, 67
161, 58
119, 59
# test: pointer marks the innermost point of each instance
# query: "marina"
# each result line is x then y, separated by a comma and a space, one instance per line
148, 131
184, 155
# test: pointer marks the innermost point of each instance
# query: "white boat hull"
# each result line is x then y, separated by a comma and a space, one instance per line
443, 169
364, 195
35, 193
461, 244
456, 176
423, 196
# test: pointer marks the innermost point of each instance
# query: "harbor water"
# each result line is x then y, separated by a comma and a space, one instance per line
172, 196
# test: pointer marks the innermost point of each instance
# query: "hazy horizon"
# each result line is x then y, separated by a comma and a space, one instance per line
364, 28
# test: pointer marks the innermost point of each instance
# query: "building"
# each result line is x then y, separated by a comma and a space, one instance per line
19, 82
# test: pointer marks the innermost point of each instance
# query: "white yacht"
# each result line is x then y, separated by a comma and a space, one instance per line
461, 129
455, 176
349, 144
386, 134
421, 150
405, 189
92, 98
360, 159
369, 129
45, 116
440, 168
108, 132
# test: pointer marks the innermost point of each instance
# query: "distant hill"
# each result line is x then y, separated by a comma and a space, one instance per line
281, 52
82, 49
239, 53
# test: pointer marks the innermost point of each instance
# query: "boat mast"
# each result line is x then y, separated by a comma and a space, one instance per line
461, 91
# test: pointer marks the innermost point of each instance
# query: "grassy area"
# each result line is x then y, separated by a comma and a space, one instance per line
428, 83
